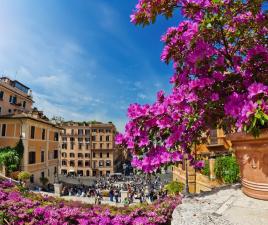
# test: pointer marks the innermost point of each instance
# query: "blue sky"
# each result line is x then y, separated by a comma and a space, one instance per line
83, 59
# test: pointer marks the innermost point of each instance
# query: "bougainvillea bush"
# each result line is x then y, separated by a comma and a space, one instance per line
220, 60
18, 208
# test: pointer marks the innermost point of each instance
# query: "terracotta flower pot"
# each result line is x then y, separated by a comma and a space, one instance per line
252, 157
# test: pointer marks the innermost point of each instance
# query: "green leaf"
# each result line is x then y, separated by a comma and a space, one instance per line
258, 115
265, 116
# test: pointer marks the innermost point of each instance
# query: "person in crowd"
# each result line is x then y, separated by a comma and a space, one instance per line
111, 195
116, 195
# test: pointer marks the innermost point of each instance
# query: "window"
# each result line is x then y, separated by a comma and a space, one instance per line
31, 157
107, 138
72, 163
32, 132
101, 163
42, 175
56, 155
32, 178
55, 170
72, 155
43, 134
87, 163
87, 146
42, 156
87, 155
94, 155
24, 104
108, 155
72, 139
80, 155
9, 111
64, 146
87, 140
56, 136
100, 138
4, 127
93, 138
108, 173
12, 99
80, 140
108, 131
64, 154
100, 173
1, 95
94, 145
64, 163
100, 145
101, 130
80, 146
108, 145
80, 163
80, 132
87, 132
94, 130
108, 163
101, 155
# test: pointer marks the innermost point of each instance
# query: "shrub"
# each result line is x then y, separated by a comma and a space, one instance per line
174, 187
23, 175
227, 169
9, 158
205, 170
30, 208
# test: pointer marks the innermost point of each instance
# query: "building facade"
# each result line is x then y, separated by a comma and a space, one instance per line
40, 140
19, 120
88, 149
14, 97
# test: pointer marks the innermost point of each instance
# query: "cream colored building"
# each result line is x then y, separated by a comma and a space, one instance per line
40, 139
88, 149
14, 97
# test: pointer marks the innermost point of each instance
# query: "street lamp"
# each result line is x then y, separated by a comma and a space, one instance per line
186, 188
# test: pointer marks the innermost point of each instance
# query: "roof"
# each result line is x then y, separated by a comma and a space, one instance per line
27, 116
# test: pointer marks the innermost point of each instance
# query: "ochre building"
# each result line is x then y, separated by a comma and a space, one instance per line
14, 97
88, 149
41, 143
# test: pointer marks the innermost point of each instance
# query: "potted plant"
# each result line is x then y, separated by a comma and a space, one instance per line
24, 177
220, 60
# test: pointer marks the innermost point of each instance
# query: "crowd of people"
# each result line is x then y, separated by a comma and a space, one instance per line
138, 188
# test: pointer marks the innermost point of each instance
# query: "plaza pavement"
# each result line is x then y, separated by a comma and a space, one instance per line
226, 206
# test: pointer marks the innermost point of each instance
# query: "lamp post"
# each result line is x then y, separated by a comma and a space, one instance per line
186, 188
